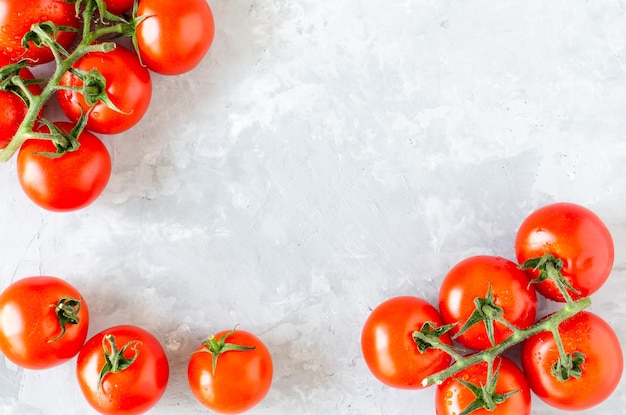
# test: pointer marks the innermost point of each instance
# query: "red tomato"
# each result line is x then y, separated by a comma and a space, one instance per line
70, 182
388, 347
142, 376
231, 372
119, 7
601, 370
12, 112
573, 234
452, 397
472, 279
174, 36
18, 16
128, 86
43, 322
13, 109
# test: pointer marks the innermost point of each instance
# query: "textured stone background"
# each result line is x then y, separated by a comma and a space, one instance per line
325, 156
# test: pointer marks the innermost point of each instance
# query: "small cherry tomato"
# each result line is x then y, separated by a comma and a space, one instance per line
574, 235
174, 36
510, 390
128, 86
506, 289
70, 182
43, 322
596, 363
122, 370
388, 346
231, 372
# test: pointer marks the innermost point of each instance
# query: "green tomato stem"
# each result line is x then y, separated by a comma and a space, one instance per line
88, 43
550, 323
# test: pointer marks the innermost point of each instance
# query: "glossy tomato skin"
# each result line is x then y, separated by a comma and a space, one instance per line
241, 379
388, 347
12, 112
131, 391
174, 36
128, 86
119, 7
472, 278
29, 324
573, 234
601, 371
18, 16
68, 183
13, 109
452, 397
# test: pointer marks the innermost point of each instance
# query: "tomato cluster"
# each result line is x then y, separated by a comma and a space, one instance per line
100, 85
124, 369
571, 359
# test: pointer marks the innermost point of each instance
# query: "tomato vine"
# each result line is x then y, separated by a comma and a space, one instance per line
550, 324
99, 28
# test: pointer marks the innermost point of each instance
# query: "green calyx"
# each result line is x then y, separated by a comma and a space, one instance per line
429, 336
568, 366
66, 310
485, 397
486, 311
219, 346
115, 359
549, 268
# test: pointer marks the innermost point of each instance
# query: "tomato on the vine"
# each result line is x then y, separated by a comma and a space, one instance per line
510, 390
389, 348
43, 322
16, 20
69, 182
122, 370
595, 359
174, 36
574, 235
231, 372
127, 85
502, 290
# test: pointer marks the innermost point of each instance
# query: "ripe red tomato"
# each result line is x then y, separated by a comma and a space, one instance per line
472, 279
70, 182
388, 347
174, 36
601, 370
128, 86
452, 397
573, 234
12, 112
43, 322
18, 16
119, 7
142, 376
231, 372
13, 109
